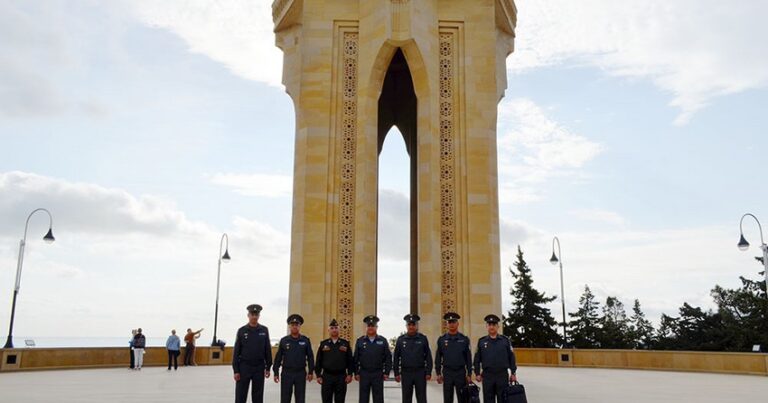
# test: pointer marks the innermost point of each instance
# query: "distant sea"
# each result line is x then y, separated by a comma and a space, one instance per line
42, 342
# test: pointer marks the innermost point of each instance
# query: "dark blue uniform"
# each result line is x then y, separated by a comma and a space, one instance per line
494, 359
334, 363
413, 362
453, 360
294, 354
373, 360
252, 356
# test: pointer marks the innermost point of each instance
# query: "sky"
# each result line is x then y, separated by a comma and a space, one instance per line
634, 131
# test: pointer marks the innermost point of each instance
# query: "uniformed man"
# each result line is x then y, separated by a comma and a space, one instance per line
453, 359
412, 361
334, 366
495, 364
252, 357
294, 354
373, 361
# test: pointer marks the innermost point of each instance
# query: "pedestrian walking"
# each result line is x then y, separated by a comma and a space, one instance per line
139, 342
173, 345
130, 349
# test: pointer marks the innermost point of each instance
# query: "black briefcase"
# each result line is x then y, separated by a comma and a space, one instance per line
470, 394
515, 393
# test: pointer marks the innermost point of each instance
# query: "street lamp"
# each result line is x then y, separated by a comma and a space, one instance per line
48, 238
744, 245
222, 258
558, 259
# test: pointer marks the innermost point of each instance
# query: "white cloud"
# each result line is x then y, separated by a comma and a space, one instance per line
87, 207
236, 33
661, 267
534, 148
119, 257
259, 185
599, 215
696, 50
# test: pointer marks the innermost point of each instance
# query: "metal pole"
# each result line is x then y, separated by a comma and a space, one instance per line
562, 288
218, 282
19, 264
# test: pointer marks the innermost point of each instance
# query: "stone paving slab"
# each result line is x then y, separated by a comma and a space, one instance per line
213, 384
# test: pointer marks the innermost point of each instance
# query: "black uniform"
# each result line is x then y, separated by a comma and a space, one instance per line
252, 356
334, 363
295, 356
453, 360
373, 360
494, 359
413, 362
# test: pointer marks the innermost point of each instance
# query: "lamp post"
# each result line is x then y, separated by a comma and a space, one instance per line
47, 238
222, 258
558, 259
744, 245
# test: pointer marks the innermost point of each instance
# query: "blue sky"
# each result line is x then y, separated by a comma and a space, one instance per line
633, 130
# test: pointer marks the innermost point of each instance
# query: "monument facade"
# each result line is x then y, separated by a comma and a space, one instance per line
436, 69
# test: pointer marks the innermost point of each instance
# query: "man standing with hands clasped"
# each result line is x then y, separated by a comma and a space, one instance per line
294, 354
495, 364
373, 361
453, 360
413, 361
252, 358
334, 366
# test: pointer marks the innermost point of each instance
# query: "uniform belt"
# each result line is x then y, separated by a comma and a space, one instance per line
372, 369
286, 369
412, 369
495, 370
461, 368
334, 371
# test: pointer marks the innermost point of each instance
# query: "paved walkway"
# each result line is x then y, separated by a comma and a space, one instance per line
214, 385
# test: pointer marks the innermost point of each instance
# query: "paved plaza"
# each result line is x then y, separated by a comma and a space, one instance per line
213, 384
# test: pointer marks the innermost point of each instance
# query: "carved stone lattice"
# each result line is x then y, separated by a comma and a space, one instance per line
348, 138
447, 174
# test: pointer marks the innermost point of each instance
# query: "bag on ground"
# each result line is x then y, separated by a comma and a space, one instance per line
515, 393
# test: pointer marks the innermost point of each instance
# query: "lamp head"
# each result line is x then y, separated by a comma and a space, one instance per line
743, 244
225, 257
49, 236
554, 259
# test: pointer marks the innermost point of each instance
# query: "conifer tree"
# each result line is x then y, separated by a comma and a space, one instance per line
528, 323
641, 329
584, 329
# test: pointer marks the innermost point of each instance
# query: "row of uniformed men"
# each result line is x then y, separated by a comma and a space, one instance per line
371, 362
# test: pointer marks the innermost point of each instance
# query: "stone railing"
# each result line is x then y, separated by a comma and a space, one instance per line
690, 361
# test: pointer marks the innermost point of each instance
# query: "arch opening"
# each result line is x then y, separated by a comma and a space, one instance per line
397, 108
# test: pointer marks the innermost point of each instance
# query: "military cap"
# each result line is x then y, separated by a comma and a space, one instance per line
254, 309
371, 320
451, 316
295, 318
333, 323
411, 318
492, 319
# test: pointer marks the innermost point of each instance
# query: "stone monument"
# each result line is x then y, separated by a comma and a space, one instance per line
436, 69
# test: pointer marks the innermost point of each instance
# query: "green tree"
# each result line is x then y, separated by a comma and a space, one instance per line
584, 329
744, 314
641, 330
528, 323
614, 325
